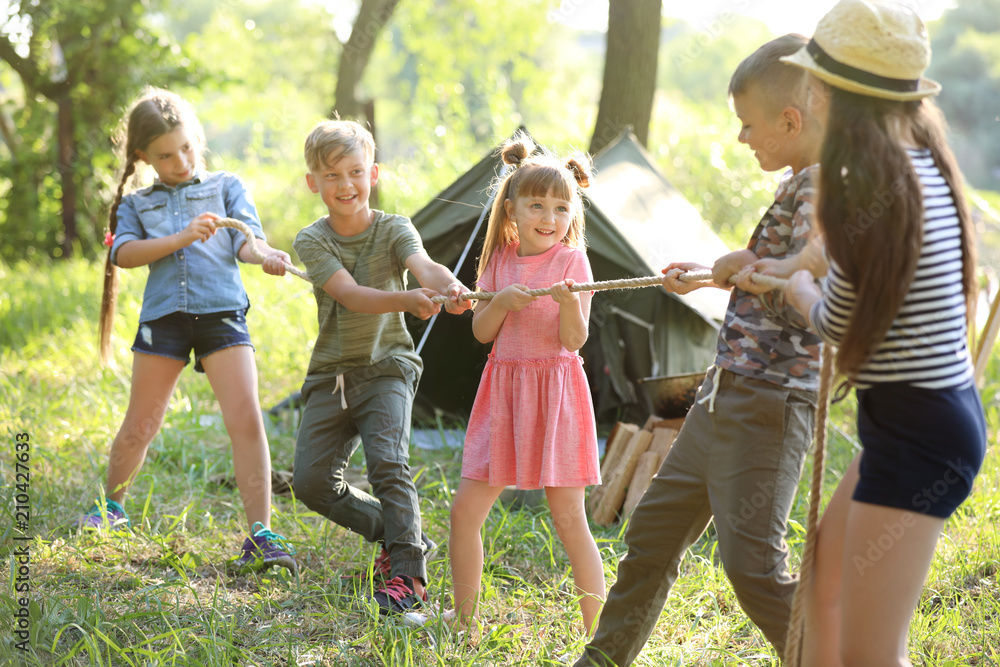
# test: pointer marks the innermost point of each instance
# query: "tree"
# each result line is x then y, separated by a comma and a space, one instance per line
83, 58
966, 45
373, 15
629, 71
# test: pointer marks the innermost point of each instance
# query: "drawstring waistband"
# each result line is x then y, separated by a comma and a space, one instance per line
710, 398
342, 387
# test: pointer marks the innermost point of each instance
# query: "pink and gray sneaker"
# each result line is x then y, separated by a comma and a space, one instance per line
397, 596
382, 566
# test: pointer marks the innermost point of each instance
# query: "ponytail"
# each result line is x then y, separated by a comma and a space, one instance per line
580, 171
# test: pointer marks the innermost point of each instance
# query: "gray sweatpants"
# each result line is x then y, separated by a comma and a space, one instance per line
740, 464
379, 399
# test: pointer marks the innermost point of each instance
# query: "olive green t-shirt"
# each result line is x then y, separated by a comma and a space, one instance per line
374, 258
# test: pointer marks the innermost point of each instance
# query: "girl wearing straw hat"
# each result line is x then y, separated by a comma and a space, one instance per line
901, 278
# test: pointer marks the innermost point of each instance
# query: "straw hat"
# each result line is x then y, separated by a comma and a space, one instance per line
873, 48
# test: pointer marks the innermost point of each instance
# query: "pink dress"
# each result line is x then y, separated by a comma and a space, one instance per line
533, 420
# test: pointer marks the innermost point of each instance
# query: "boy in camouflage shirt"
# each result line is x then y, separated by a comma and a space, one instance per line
739, 455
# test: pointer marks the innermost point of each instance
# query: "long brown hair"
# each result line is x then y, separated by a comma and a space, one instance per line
872, 213
155, 113
534, 175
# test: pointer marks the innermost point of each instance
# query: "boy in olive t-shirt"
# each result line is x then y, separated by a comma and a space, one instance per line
364, 371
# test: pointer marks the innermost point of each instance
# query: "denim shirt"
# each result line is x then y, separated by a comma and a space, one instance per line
203, 277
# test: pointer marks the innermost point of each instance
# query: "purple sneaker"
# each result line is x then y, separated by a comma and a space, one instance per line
111, 516
264, 549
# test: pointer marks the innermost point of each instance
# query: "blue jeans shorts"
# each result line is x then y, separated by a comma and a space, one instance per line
175, 335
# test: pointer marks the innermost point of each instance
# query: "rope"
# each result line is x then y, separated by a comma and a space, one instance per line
796, 623
624, 283
769, 282
241, 226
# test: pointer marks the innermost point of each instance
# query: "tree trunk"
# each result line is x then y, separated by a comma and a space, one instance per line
67, 151
629, 71
372, 17
370, 115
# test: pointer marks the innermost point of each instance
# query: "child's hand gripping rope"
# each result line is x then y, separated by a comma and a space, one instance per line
252, 244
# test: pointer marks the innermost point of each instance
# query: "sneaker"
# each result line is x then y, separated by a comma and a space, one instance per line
264, 549
111, 516
382, 567
398, 597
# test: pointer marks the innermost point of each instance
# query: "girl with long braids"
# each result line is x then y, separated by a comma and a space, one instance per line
194, 299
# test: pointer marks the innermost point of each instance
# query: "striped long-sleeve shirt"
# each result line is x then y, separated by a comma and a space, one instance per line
926, 344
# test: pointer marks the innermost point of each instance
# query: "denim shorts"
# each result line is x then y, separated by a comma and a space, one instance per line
175, 335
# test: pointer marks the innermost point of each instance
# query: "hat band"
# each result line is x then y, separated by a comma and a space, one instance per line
827, 62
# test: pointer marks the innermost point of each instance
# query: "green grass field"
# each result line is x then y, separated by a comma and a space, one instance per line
160, 595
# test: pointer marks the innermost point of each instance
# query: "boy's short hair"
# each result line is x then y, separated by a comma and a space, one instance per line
331, 140
783, 85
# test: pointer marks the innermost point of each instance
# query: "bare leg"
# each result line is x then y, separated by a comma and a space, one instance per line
887, 553
821, 641
153, 381
570, 518
473, 501
232, 373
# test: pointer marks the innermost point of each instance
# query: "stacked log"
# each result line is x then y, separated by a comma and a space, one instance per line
632, 458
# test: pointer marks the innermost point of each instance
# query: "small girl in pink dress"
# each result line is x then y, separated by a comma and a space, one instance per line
533, 420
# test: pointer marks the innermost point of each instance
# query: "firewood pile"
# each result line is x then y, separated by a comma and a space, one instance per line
632, 458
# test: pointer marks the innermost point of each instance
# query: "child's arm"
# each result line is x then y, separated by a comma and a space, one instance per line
489, 318
274, 259
342, 287
812, 258
802, 293
574, 314
140, 252
437, 277
730, 264
804, 248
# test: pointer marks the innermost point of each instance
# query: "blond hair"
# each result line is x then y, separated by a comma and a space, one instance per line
331, 140
534, 175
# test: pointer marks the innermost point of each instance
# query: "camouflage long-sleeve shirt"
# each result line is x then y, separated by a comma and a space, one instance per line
762, 336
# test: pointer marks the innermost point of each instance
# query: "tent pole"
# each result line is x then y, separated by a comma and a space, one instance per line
461, 258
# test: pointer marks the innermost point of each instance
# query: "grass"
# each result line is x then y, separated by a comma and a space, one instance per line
159, 595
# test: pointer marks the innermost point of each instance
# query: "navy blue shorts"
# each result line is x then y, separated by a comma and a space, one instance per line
922, 447
175, 335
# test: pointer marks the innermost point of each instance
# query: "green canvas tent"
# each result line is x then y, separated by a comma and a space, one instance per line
636, 223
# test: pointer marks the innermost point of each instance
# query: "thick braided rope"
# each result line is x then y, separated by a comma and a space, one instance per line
241, 226
796, 623
624, 283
